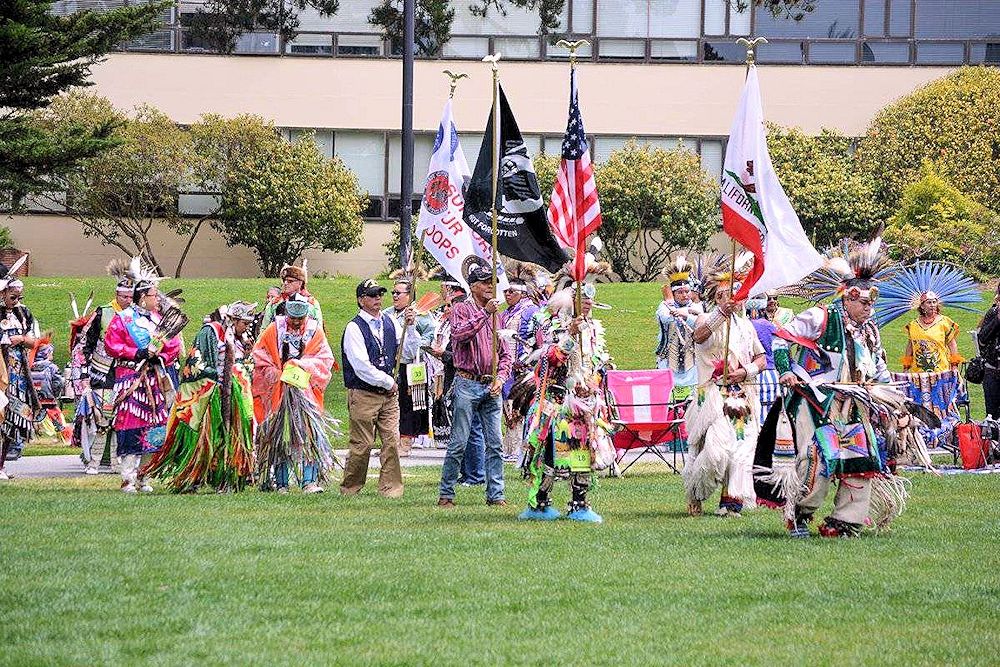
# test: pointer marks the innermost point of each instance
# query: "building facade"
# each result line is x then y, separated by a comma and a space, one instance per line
665, 72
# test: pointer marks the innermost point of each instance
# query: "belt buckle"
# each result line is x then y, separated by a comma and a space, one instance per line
486, 379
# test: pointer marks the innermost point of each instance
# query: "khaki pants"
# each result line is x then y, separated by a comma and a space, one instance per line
370, 413
850, 503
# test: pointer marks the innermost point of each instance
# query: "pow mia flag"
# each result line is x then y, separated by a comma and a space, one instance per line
522, 228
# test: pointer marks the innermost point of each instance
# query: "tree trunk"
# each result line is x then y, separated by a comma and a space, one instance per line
187, 246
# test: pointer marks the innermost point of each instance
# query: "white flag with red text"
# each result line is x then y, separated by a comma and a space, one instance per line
755, 210
446, 235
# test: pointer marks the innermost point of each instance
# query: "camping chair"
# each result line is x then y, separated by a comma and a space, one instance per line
645, 416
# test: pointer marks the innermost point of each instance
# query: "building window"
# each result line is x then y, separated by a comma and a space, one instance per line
874, 18
899, 18
833, 52
944, 53
835, 20
364, 154
986, 53
959, 19
885, 53
306, 44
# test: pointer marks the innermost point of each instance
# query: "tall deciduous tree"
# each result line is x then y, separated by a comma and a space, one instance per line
123, 194
219, 144
290, 201
653, 203
432, 23
42, 55
831, 195
954, 123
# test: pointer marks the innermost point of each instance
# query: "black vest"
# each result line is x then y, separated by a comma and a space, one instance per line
382, 358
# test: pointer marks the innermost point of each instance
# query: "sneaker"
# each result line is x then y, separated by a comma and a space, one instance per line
586, 515
312, 488
91, 471
129, 487
447, 503
4, 475
532, 514
694, 508
146, 487
499, 502
283, 490
726, 512
835, 528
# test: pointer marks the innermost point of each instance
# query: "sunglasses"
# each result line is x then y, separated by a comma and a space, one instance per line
395, 293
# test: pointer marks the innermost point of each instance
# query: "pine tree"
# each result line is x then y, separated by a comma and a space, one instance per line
42, 55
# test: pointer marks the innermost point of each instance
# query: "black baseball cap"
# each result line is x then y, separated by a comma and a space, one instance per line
480, 274
369, 287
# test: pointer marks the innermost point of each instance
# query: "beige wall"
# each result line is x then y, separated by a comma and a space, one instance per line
59, 248
641, 99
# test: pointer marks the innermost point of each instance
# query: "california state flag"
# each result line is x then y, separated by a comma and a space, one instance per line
755, 210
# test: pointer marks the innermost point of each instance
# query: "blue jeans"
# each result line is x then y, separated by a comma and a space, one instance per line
472, 398
281, 472
474, 462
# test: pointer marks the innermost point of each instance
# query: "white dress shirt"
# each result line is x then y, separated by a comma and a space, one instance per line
357, 353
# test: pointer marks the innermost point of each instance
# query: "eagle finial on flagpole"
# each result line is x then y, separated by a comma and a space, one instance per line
454, 80
572, 48
751, 46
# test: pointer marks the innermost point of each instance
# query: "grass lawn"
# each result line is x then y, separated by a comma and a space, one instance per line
92, 576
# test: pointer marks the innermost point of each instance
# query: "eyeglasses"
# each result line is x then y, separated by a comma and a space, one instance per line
289, 279
395, 293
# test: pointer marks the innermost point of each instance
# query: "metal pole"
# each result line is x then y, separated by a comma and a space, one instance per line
406, 138
494, 63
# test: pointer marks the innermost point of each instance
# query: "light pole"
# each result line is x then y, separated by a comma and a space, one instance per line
406, 138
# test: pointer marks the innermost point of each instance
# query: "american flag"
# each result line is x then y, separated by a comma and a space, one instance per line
574, 211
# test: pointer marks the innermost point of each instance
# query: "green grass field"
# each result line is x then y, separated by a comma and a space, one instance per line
92, 576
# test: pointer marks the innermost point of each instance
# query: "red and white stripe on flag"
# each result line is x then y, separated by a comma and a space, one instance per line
755, 210
574, 209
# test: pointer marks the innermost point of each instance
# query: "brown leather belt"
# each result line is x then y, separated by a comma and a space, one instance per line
481, 379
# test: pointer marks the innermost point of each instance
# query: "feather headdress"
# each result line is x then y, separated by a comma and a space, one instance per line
852, 268
678, 271
300, 273
9, 277
720, 272
527, 277
912, 285
143, 275
595, 268
121, 271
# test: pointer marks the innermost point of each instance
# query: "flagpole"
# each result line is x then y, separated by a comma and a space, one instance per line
572, 48
494, 62
750, 45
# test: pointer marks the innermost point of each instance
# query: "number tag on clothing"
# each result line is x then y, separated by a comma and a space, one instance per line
416, 373
295, 376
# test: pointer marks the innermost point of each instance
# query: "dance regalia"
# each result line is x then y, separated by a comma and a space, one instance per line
568, 430
210, 431
675, 345
723, 422
143, 389
523, 321
276, 307
294, 428
18, 426
414, 415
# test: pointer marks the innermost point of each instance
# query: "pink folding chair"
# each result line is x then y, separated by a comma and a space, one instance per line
645, 416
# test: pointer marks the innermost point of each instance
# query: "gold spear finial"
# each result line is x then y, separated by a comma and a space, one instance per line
751, 45
454, 80
572, 47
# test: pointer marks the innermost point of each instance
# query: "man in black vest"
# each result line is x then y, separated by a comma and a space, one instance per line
368, 349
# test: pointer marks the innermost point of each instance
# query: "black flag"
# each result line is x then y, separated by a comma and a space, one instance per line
522, 229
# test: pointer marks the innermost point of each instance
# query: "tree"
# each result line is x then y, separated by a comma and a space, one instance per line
292, 200
120, 195
654, 202
831, 195
432, 23
936, 221
794, 10
219, 144
546, 167
954, 123
41, 56
218, 24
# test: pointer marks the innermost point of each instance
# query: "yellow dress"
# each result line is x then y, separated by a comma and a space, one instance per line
930, 344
